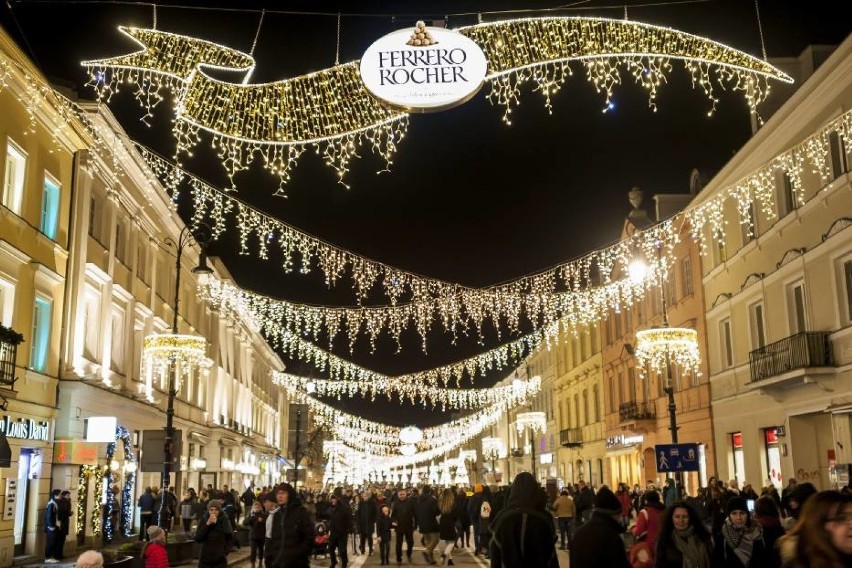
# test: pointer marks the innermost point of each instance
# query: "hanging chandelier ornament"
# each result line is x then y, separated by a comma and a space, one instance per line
162, 352
535, 421
658, 347
332, 111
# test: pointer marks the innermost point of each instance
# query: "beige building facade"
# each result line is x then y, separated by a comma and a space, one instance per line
778, 291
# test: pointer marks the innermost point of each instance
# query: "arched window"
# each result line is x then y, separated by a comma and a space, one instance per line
596, 400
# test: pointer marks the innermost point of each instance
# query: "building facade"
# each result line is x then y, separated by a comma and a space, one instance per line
778, 284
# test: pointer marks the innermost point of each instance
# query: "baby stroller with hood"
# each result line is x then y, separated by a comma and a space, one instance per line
320, 539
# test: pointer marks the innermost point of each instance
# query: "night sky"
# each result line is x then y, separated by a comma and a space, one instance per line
469, 199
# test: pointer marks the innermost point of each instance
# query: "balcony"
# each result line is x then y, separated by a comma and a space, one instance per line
809, 349
571, 437
9, 341
637, 416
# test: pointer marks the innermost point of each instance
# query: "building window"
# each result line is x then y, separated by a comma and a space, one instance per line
120, 242
756, 322
739, 458
13, 181
796, 307
586, 406
596, 401
41, 335
727, 343
50, 207
784, 189
117, 344
7, 302
686, 276
749, 227
837, 148
847, 275
95, 218
575, 422
772, 448
142, 260
721, 249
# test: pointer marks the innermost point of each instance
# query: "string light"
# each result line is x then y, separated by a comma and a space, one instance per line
535, 421
657, 347
493, 448
161, 352
331, 110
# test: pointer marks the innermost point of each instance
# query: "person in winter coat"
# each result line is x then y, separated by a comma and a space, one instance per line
366, 521
427, 520
740, 544
523, 532
584, 502
339, 525
683, 540
215, 535
403, 521
146, 512
822, 535
448, 525
52, 528
463, 517
563, 510
598, 544
383, 534
485, 516
186, 510
256, 523
670, 492
796, 500
767, 514
648, 520
154, 553
293, 530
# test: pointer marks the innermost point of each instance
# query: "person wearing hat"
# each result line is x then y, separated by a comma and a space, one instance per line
740, 543
215, 535
272, 540
296, 531
598, 544
154, 553
523, 532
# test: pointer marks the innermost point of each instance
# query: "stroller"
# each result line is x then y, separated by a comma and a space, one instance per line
320, 539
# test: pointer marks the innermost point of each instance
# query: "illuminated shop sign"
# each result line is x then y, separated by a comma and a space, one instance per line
25, 429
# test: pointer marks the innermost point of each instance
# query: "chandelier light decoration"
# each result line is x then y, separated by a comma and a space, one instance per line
162, 351
332, 111
534, 421
411, 435
493, 448
657, 347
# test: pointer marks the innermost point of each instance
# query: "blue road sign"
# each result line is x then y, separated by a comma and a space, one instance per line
676, 457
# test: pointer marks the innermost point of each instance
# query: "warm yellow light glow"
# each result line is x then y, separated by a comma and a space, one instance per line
657, 347
535, 421
186, 354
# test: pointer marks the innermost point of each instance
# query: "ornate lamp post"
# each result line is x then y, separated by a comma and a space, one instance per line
492, 448
178, 354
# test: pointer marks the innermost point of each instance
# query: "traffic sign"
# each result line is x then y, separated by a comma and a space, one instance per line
676, 457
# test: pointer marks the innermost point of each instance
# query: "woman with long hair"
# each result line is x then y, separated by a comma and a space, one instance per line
683, 540
447, 529
740, 543
822, 537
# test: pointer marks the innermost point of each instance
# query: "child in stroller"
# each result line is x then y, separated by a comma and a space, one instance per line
320, 539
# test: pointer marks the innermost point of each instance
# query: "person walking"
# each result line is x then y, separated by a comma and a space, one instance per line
383, 534
584, 502
427, 519
447, 525
563, 510
768, 516
597, 543
523, 532
463, 518
648, 521
146, 512
214, 534
256, 523
187, 512
52, 528
740, 543
474, 505
338, 529
485, 516
273, 537
683, 540
822, 535
366, 522
154, 553
296, 530
65, 512
404, 521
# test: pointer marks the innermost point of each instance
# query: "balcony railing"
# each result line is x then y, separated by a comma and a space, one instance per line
571, 437
631, 411
9, 341
806, 349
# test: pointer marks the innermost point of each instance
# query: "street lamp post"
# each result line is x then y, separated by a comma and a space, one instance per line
186, 238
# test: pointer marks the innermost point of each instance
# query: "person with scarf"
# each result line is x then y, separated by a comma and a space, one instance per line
683, 540
523, 533
740, 543
215, 535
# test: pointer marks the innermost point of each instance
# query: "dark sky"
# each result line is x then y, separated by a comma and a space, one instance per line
469, 199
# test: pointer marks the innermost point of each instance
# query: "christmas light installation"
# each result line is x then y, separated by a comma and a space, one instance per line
535, 421
410, 435
657, 347
331, 110
188, 354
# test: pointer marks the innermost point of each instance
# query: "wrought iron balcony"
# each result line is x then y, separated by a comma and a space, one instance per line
571, 437
633, 411
9, 341
800, 351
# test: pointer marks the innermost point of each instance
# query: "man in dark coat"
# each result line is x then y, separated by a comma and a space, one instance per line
427, 519
52, 528
64, 522
146, 512
523, 532
296, 529
367, 512
404, 521
215, 535
584, 502
340, 522
598, 544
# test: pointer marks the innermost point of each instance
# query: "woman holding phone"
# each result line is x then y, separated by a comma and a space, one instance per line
215, 535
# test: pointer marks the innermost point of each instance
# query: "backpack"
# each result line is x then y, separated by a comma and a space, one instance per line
641, 555
485, 510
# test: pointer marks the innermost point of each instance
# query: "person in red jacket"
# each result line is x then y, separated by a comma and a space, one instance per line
648, 520
154, 554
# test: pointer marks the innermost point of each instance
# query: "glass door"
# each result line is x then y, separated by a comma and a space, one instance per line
21, 504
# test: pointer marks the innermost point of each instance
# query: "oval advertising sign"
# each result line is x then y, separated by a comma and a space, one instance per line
423, 69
